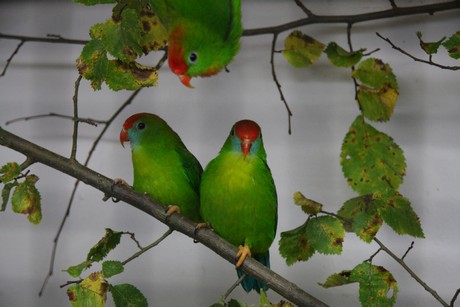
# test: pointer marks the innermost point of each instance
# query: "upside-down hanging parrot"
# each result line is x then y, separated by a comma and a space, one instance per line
238, 197
163, 166
204, 35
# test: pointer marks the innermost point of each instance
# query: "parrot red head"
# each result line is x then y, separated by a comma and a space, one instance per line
176, 60
129, 122
248, 132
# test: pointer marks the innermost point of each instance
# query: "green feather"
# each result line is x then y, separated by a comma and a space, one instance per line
238, 197
163, 166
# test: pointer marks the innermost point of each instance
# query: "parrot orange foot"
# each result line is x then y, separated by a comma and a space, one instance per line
116, 181
170, 210
243, 252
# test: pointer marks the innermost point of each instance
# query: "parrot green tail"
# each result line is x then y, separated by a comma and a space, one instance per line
252, 283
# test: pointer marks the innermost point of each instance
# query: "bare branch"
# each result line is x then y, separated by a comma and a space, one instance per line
88, 121
73, 153
347, 19
429, 61
56, 39
72, 195
454, 298
407, 251
8, 61
278, 85
411, 273
143, 250
304, 8
177, 222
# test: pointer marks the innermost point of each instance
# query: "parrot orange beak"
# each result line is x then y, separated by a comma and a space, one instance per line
185, 80
123, 137
246, 147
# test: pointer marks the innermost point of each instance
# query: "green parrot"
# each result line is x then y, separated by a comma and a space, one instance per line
163, 166
203, 35
238, 197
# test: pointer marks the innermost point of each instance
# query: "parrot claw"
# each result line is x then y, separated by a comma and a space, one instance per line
201, 226
170, 210
243, 252
116, 181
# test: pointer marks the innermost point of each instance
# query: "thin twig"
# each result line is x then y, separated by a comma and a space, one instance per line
407, 251
307, 11
454, 298
89, 121
411, 273
8, 61
48, 39
133, 237
429, 62
143, 250
73, 153
233, 286
278, 85
72, 195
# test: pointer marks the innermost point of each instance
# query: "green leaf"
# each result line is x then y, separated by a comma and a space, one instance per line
121, 37
377, 287
361, 217
325, 234
429, 47
397, 212
92, 291
130, 76
126, 295
301, 50
76, 270
374, 73
371, 161
94, 2
26, 199
99, 251
6, 193
9, 171
93, 63
308, 206
377, 105
294, 245
111, 268
342, 58
337, 279
452, 44
154, 34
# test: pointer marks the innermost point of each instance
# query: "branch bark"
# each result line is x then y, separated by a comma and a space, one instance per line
207, 237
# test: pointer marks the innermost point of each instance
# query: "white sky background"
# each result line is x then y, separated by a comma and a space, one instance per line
180, 273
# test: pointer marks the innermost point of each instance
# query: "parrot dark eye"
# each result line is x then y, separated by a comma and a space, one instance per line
232, 132
140, 126
193, 57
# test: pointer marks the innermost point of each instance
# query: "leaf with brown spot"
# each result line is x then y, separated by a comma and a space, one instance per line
294, 245
325, 234
301, 50
377, 286
371, 160
26, 199
308, 206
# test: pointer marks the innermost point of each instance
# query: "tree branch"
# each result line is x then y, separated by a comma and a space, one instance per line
177, 222
429, 62
411, 273
352, 19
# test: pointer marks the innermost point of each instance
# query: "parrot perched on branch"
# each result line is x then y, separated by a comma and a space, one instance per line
238, 197
203, 35
163, 166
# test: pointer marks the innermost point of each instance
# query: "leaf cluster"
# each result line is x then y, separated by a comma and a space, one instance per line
374, 167
26, 198
110, 56
92, 290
